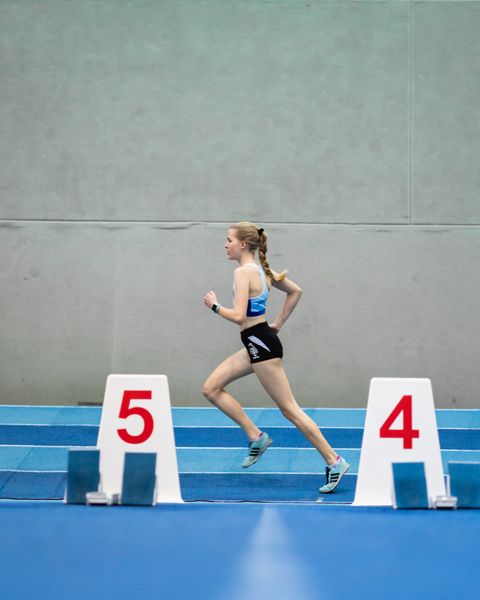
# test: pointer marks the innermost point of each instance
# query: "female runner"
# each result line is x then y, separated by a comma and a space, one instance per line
263, 351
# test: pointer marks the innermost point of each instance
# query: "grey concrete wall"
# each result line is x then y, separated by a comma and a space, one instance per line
134, 132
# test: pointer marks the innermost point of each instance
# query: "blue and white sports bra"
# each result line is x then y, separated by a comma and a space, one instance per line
257, 305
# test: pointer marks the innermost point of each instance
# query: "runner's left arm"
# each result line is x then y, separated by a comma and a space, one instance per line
238, 313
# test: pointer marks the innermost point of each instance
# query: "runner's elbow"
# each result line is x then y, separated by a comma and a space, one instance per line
296, 293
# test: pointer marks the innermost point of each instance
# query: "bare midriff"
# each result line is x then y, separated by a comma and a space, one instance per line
251, 321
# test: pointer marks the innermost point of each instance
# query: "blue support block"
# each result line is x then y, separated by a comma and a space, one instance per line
138, 486
83, 474
465, 483
410, 485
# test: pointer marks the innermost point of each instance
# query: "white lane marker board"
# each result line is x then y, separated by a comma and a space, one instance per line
137, 417
400, 426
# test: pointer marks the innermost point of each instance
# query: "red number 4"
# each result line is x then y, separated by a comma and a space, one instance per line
126, 411
407, 433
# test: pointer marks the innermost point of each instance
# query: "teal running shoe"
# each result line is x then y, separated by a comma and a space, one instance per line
334, 473
257, 448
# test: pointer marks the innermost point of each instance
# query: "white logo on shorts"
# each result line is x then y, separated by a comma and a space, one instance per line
253, 351
253, 338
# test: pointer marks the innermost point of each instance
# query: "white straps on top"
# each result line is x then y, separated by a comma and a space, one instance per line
262, 274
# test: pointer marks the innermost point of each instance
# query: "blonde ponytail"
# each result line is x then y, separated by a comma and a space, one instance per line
262, 256
256, 238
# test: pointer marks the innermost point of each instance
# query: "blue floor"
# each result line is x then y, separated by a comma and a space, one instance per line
236, 552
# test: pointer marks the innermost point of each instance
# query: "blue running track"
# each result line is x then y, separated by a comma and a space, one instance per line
34, 444
241, 534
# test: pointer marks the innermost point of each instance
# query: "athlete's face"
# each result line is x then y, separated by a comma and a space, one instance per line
234, 246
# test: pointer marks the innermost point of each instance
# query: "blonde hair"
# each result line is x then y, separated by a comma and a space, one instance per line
256, 238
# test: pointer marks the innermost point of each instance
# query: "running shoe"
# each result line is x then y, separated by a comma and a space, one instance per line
334, 473
257, 448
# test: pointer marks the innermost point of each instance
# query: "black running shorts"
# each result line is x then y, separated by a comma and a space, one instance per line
261, 342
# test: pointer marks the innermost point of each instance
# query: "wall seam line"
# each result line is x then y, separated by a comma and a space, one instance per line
227, 223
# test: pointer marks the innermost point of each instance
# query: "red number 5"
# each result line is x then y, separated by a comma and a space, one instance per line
407, 433
126, 411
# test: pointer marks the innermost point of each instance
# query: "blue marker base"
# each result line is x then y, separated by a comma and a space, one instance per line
83, 475
410, 485
465, 483
138, 487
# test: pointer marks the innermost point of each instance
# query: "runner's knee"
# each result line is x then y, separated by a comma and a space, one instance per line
292, 413
210, 391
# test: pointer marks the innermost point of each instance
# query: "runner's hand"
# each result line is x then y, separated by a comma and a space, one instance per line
210, 299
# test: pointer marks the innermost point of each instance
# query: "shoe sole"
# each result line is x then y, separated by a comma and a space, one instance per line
336, 485
269, 443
